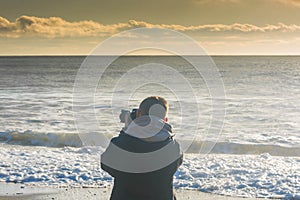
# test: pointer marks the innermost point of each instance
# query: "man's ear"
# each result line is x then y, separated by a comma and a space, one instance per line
166, 119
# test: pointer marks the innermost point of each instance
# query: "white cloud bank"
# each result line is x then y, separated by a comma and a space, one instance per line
55, 27
56, 36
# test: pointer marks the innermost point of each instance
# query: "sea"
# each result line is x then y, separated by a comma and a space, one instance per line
255, 153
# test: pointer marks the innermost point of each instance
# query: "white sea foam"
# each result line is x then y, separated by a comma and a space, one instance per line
235, 175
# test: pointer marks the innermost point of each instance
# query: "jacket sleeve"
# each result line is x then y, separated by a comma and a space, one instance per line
107, 168
113, 172
180, 160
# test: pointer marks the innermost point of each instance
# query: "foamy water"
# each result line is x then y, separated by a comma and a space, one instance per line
257, 153
243, 175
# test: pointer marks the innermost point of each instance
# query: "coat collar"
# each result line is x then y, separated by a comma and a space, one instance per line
150, 129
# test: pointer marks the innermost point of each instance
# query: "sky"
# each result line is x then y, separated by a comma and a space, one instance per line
221, 27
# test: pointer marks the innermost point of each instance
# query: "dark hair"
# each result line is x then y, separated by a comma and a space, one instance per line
147, 103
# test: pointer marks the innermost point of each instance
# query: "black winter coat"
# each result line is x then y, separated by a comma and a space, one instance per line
153, 185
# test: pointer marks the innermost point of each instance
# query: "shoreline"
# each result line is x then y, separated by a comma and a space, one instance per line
260, 176
11, 191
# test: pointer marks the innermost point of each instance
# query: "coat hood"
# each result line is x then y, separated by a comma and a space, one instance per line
150, 129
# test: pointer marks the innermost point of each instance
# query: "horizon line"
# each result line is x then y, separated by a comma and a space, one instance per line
132, 55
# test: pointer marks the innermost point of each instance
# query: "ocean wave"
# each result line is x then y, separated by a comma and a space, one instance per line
30, 138
246, 148
41, 139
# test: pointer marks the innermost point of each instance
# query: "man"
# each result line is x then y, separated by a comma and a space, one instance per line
145, 156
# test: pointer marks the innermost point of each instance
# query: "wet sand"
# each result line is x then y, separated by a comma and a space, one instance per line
18, 192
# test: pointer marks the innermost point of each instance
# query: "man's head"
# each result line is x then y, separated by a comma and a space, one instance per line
154, 105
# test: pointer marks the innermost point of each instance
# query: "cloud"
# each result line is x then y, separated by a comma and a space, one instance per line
221, 28
290, 2
56, 27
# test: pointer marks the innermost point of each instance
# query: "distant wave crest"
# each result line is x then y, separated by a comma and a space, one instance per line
31, 138
247, 148
41, 139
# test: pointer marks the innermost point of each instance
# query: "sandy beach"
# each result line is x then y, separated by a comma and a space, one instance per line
18, 192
